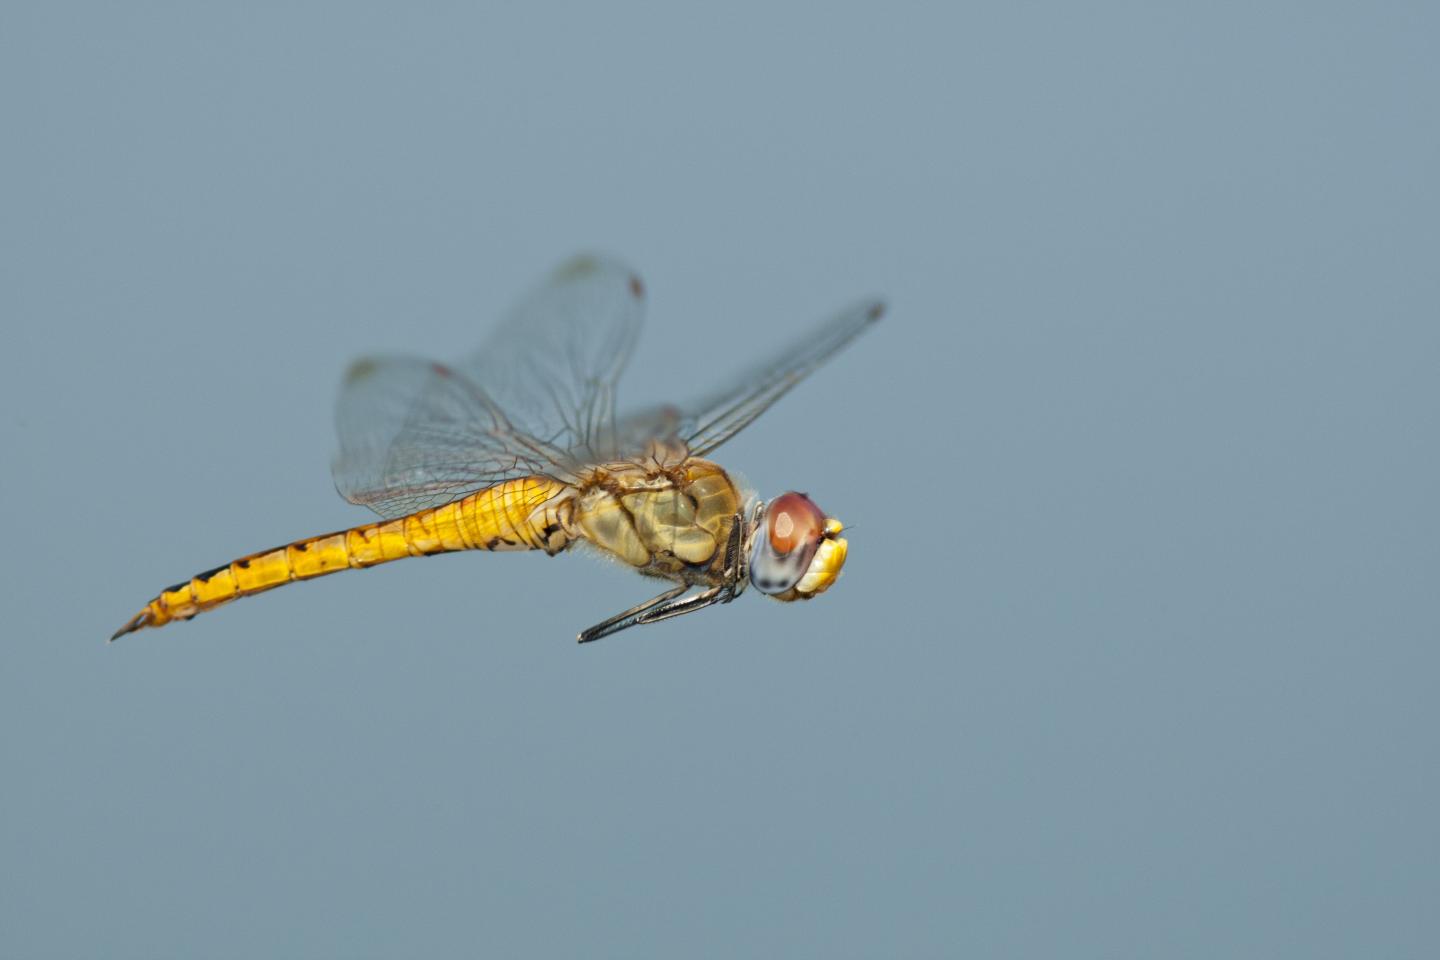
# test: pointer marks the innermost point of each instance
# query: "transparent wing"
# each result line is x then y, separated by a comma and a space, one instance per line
707, 423
537, 398
553, 363
416, 434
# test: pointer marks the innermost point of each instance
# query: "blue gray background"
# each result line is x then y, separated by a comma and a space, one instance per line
1137, 651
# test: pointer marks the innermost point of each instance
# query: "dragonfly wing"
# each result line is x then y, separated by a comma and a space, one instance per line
538, 397
416, 434
709, 422
553, 363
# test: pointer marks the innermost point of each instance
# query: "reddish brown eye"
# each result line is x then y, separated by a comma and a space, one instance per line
793, 520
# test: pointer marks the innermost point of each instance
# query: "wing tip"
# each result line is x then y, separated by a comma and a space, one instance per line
360, 369
585, 265
875, 311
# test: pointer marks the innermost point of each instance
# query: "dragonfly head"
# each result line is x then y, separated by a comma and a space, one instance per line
796, 552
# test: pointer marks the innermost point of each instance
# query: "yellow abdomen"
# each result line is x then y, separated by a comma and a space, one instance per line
530, 513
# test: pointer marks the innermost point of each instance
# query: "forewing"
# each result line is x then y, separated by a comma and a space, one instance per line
709, 422
538, 397
553, 363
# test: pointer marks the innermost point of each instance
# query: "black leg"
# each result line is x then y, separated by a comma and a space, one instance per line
666, 606
628, 618
689, 604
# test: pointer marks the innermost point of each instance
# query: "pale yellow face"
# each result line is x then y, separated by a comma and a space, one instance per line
829, 558
797, 551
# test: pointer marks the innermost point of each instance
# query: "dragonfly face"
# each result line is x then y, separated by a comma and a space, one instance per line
520, 446
796, 552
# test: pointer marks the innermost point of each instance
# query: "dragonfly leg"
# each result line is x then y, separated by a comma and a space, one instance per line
721, 593
628, 618
666, 605
734, 561
690, 604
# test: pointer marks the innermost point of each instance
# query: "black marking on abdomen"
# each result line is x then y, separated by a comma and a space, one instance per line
177, 588
302, 547
205, 577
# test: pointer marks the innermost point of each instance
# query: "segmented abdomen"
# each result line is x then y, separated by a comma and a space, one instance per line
530, 513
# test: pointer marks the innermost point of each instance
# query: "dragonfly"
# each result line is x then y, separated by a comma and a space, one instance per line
519, 447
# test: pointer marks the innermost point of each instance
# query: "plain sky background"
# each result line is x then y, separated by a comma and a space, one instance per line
1137, 650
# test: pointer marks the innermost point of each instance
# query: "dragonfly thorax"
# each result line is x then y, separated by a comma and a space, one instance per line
666, 521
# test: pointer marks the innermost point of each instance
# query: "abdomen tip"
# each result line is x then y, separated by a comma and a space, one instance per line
141, 619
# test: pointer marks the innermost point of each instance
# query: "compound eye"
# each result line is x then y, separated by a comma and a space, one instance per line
793, 521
